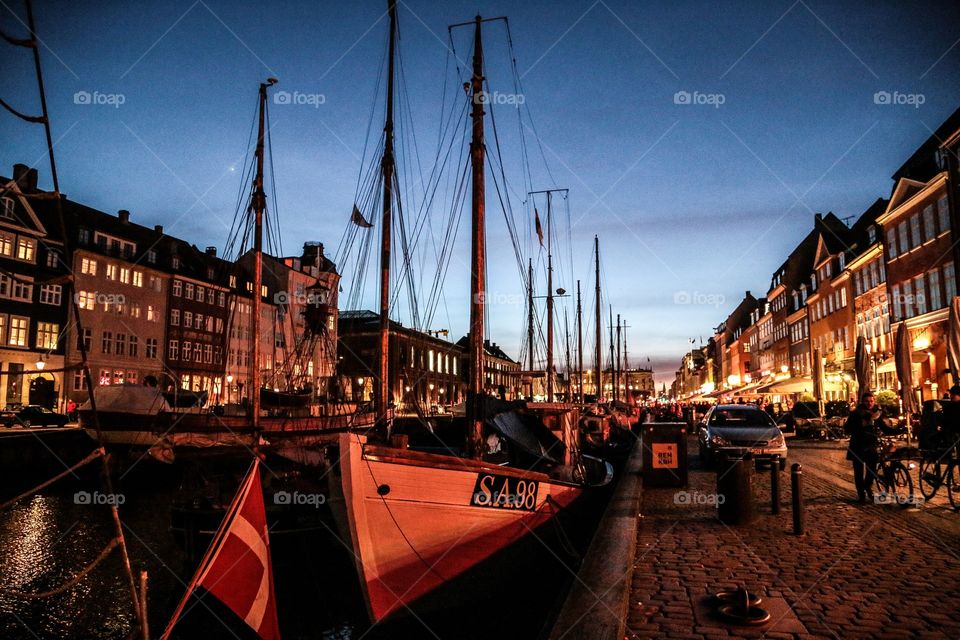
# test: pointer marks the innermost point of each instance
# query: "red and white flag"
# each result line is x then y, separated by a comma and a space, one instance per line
236, 568
536, 222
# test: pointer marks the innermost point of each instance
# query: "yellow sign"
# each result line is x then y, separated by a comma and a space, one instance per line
664, 456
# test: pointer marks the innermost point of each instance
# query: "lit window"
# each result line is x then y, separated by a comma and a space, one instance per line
7, 240
138, 278
112, 272
26, 248
48, 334
19, 327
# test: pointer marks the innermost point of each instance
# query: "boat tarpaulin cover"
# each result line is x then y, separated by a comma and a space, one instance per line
528, 433
129, 398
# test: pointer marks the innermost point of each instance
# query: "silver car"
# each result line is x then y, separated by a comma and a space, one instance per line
731, 430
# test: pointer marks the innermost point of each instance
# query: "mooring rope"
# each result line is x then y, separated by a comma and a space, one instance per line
69, 584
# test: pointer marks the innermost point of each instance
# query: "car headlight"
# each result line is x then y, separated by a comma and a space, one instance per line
719, 441
777, 440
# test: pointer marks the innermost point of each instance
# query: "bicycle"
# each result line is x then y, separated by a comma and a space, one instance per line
892, 478
939, 467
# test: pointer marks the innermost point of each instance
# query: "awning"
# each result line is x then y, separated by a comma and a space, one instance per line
792, 385
890, 366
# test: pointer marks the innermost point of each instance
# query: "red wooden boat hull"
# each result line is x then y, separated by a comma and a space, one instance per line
420, 520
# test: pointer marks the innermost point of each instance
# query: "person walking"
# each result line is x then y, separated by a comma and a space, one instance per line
863, 426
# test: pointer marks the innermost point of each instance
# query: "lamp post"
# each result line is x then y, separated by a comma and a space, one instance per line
229, 385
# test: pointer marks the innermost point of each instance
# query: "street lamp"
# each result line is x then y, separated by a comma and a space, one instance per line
41, 364
229, 385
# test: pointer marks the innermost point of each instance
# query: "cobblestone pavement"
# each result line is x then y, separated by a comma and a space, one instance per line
859, 571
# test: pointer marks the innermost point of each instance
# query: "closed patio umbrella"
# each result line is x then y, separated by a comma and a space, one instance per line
861, 363
953, 339
905, 369
818, 379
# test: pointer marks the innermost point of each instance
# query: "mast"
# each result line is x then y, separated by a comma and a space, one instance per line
259, 202
478, 252
618, 370
387, 167
613, 370
530, 344
550, 367
579, 344
566, 331
599, 326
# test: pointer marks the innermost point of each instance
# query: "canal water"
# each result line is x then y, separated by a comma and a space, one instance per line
46, 539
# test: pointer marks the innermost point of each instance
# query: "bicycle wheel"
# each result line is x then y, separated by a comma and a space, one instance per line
902, 484
930, 478
953, 484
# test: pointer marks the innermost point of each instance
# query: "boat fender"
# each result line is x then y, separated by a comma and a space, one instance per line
383, 489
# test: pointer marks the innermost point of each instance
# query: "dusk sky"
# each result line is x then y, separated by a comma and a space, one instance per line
697, 139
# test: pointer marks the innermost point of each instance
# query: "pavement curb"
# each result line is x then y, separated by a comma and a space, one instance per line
597, 605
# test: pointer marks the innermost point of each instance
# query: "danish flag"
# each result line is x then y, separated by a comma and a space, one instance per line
236, 568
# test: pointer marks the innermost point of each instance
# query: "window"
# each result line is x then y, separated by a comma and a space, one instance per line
21, 290
211, 296
53, 258
134, 309
173, 350
79, 380
151, 313
19, 328
943, 214
200, 292
138, 278
188, 318
83, 236
48, 335
891, 244
124, 275
915, 231
219, 325
872, 234
908, 299
197, 352
151, 349
897, 302
175, 317
152, 256
6, 243
233, 282
929, 232
7, 210
263, 291
118, 376
106, 343
933, 278
902, 234
177, 288
88, 267
919, 285
84, 341
949, 282
208, 354
134, 346
131, 377
121, 344
155, 284
188, 291
26, 248
105, 377
111, 272
199, 322
221, 299
175, 262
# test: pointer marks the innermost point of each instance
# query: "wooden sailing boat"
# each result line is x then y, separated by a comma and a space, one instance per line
141, 416
419, 520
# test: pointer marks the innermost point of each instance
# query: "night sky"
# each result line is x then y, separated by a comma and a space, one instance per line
697, 139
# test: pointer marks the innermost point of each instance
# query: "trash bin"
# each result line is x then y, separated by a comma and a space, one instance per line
735, 485
664, 454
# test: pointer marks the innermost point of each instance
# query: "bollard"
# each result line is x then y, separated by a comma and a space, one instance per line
775, 485
796, 484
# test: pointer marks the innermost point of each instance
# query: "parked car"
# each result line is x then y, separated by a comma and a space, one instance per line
805, 421
836, 412
9, 418
36, 416
730, 430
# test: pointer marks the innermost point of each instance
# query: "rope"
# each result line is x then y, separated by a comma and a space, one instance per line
69, 584
22, 116
90, 458
29, 43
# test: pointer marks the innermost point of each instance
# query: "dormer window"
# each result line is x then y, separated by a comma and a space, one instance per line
872, 234
175, 262
6, 211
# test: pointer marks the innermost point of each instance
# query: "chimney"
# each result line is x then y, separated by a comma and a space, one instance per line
25, 177
211, 251
817, 218
312, 253
158, 228
124, 216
